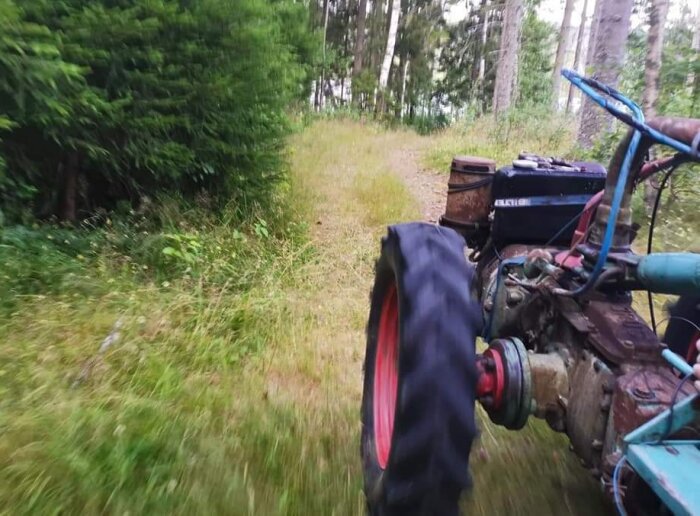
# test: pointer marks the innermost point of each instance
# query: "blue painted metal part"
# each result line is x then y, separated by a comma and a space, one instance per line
589, 88
670, 273
544, 200
593, 88
677, 361
670, 468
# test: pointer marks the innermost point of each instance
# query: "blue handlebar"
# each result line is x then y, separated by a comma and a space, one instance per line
589, 87
593, 89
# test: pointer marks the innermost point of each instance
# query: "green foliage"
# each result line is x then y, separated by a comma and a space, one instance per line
142, 97
460, 58
43, 261
679, 62
535, 61
428, 124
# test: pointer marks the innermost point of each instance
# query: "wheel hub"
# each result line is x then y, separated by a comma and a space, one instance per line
386, 375
504, 387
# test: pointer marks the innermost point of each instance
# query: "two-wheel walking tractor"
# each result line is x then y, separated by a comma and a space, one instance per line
536, 259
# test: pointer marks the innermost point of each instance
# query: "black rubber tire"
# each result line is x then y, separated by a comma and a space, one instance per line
434, 426
680, 332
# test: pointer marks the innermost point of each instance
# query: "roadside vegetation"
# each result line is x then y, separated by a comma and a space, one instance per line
186, 251
232, 380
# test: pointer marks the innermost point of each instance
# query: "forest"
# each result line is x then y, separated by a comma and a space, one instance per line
191, 198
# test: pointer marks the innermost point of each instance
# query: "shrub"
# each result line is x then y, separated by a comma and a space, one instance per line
118, 99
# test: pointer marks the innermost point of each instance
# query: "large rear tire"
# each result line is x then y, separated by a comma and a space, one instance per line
420, 374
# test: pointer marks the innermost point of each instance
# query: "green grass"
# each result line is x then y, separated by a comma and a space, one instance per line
502, 140
235, 384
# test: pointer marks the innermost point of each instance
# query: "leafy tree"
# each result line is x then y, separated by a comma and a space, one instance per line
535, 60
174, 95
35, 90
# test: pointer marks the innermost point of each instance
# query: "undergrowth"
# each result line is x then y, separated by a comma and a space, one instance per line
124, 342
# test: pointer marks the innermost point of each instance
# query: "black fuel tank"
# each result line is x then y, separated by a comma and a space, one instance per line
532, 205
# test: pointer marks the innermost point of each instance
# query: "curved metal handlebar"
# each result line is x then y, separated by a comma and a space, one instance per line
591, 87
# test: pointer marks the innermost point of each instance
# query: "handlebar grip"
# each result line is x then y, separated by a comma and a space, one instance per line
670, 273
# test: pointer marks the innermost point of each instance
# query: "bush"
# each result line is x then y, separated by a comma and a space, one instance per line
428, 124
111, 100
41, 261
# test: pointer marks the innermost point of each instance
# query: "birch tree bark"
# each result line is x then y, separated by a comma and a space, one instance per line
608, 56
580, 40
479, 60
562, 49
318, 101
506, 71
404, 78
359, 45
658, 11
389, 54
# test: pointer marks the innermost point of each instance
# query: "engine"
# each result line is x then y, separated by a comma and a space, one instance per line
591, 368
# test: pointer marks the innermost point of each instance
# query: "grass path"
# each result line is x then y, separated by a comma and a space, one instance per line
224, 399
357, 179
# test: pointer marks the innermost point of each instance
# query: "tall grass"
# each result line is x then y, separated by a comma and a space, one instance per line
502, 139
234, 386
153, 422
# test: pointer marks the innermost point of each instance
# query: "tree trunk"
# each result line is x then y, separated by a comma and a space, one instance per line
593, 33
68, 210
389, 54
655, 43
359, 46
326, 7
577, 56
693, 80
506, 71
562, 49
404, 78
482, 28
610, 40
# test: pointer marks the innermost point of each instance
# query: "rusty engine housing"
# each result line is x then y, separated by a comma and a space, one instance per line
592, 367
595, 366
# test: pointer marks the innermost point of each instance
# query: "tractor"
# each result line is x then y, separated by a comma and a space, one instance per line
536, 259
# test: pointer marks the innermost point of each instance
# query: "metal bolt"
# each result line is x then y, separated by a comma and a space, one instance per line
597, 444
514, 297
642, 393
605, 405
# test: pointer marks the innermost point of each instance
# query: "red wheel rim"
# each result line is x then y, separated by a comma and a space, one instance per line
386, 377
692, 348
